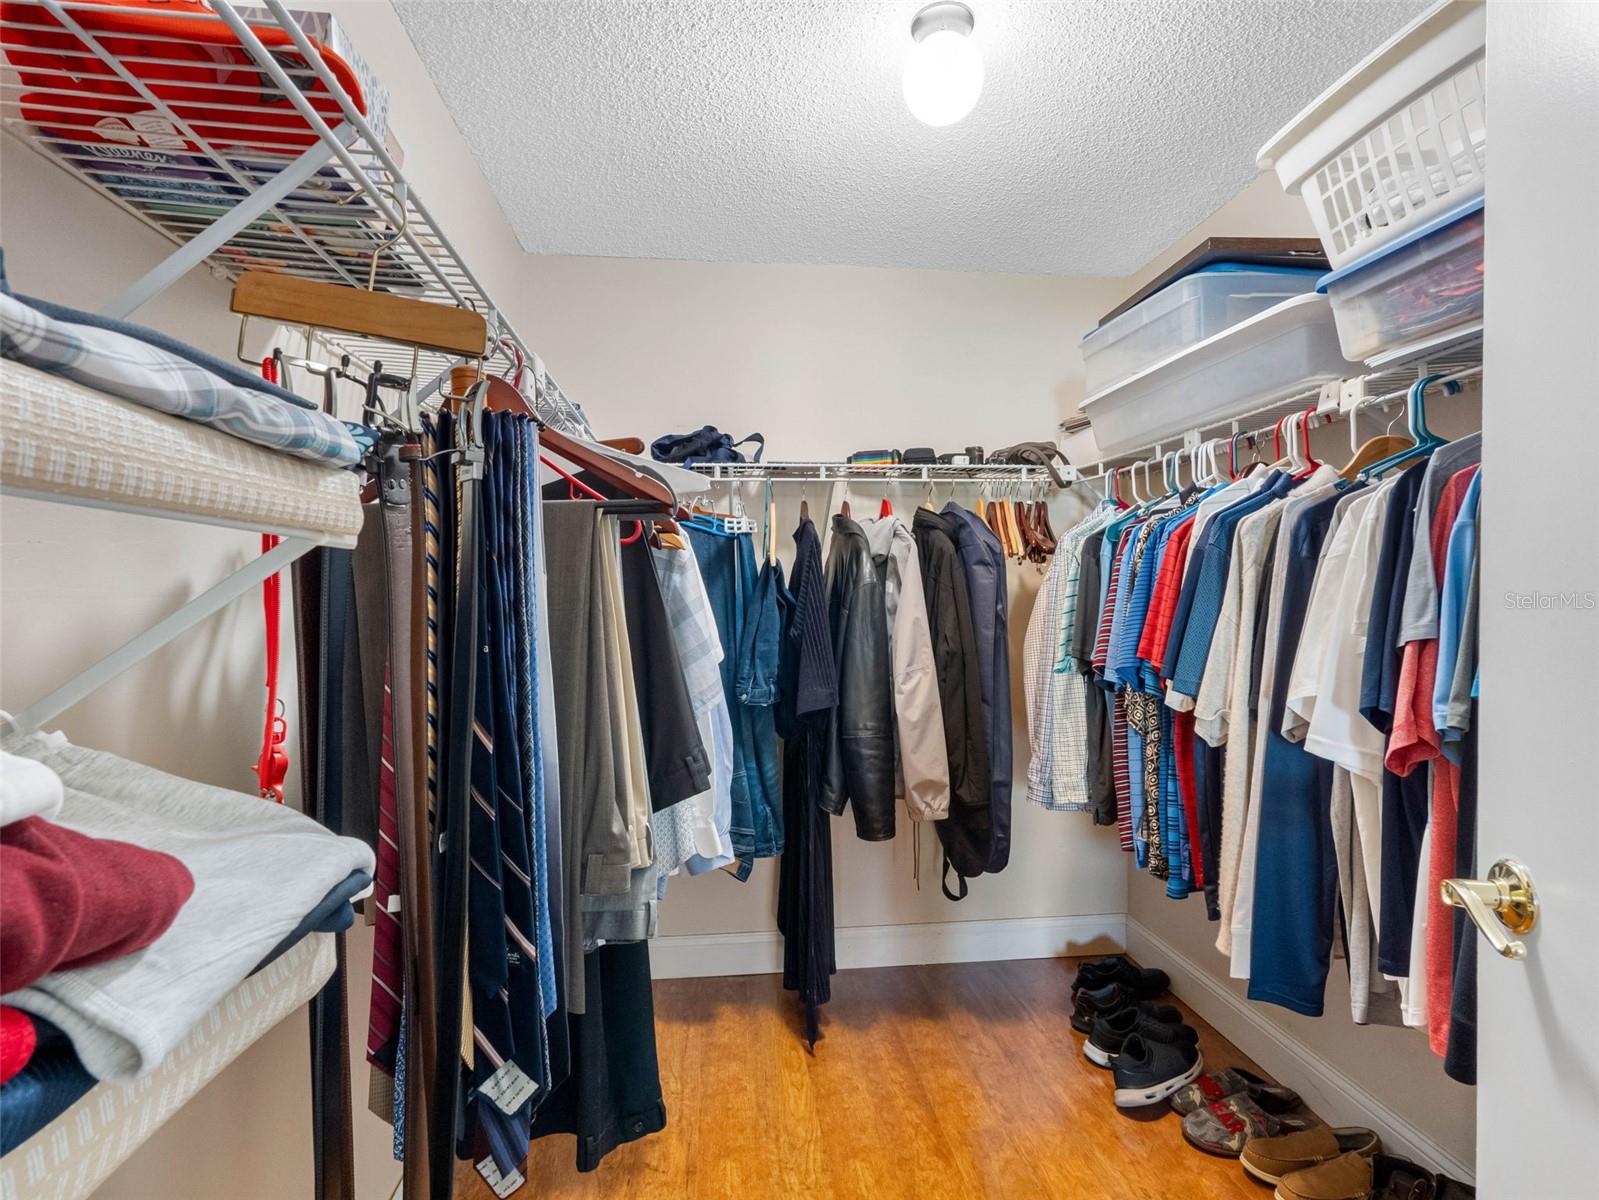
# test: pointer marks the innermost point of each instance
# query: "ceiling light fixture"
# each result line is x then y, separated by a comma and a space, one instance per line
944, 71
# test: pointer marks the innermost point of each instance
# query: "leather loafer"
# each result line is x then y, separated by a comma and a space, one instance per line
1269, 1159
1347, 1177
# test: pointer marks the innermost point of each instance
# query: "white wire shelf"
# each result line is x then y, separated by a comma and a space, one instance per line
1455, 355
244, 157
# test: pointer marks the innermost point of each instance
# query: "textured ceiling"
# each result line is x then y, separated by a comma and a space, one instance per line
774, 130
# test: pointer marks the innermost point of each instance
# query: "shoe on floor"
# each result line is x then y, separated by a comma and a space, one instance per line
1224, 1127
1109, 1032
1232, 1082
1347, 1177
1269, 1159
1142, 983
1112, 998
1395, 1178
1098, 1002
1147, 1071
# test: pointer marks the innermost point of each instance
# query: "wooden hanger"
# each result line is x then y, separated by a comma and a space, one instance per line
1373, 450
290, 300
624, 477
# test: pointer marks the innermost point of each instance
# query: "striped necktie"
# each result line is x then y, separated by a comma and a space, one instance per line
387, 977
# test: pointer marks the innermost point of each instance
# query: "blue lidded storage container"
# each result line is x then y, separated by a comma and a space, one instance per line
1414, 288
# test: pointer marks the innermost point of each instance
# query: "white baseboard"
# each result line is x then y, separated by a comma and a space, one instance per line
1327, 1088
684, 956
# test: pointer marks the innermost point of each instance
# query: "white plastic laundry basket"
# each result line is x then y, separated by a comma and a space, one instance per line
1397, 141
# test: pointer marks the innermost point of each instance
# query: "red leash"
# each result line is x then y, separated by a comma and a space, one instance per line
272, 767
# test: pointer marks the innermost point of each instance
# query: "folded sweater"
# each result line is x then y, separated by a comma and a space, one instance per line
258, 868
73, 901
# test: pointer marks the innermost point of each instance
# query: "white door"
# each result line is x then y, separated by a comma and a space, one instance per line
1538, 1018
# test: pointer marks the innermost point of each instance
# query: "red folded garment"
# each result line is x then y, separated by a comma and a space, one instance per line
71, 901
18, 1037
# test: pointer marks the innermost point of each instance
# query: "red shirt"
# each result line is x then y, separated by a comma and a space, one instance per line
1414, 741
1163, 601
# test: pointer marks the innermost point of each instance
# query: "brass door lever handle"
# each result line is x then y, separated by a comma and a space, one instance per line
1504, 901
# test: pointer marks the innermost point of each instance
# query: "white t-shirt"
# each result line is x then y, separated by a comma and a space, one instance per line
1304, 679
1335, 729
1238, 920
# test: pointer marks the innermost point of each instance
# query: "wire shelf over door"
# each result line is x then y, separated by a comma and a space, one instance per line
243, 156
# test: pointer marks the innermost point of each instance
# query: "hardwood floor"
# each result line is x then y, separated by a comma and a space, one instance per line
930, 1083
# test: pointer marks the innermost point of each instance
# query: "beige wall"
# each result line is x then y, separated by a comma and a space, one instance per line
823, 361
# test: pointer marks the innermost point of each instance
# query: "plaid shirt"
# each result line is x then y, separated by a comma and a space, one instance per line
1055, 692
146, 374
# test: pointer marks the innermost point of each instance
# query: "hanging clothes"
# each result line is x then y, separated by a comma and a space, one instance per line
701, 826
1054, 687
510, 1064
966, 835
1279, 656
921, 758
727, 566
982, 560
808, 695
859, 766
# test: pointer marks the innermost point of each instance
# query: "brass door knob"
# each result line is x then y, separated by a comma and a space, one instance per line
1504, 901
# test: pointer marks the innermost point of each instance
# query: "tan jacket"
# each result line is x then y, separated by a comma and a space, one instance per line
922, 763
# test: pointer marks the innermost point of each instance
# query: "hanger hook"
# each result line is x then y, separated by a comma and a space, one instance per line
405, 220
1417, 406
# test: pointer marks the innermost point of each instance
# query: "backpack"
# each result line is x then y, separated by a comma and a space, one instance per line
707, 445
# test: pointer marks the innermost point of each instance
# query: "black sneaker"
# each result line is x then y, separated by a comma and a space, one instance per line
1098, 1002
1101, 1002
1148, 1071
1144, 983
1109, 1033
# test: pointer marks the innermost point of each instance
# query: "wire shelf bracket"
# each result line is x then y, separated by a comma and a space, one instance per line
208, 602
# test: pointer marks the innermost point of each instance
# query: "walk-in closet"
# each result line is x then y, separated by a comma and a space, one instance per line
853, 599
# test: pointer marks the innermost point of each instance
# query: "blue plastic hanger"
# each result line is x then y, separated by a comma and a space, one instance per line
1416, 415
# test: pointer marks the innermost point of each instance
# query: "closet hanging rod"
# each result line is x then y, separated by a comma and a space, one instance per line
1155, 455
830, 472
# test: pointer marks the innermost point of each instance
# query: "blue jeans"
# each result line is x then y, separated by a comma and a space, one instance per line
745, 608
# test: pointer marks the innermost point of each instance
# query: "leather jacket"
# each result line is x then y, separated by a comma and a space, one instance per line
859, 766
956, 663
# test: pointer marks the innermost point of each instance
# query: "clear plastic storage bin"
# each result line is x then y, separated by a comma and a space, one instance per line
1424, 284
1182, 314
1288, 348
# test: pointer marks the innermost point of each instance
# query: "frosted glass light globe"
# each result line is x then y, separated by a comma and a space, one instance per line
943, 77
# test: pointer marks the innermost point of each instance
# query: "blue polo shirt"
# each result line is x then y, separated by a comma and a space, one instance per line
1211, 585
1452, 611
1296, 872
